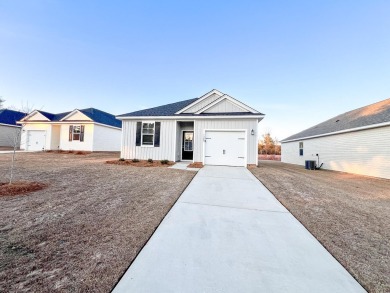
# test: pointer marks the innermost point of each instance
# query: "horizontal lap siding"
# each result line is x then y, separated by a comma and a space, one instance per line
365, 152
248, 124
9, 135
167, 142
225, 107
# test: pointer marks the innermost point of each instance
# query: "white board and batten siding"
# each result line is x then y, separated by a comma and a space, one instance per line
166, 150
202, 104
364, 152
201, 126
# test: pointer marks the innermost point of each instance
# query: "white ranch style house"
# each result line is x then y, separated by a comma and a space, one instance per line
215, 129
357, 142
82, 130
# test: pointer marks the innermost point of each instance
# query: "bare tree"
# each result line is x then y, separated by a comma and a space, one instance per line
15, 139
1, 102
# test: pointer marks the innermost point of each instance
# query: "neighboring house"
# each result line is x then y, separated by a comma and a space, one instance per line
9, 130
355, 142
214, 129
87, 130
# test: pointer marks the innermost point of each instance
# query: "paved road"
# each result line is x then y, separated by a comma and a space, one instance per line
228, 233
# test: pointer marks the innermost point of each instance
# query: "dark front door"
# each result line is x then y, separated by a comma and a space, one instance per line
187, 152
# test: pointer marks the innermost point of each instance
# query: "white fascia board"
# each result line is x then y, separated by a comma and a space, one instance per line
71, 113
339, 132
185, 118
9, 125
231, 99
205, 96
29, 115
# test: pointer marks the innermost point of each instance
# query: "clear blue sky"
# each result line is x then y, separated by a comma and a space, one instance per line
299, 62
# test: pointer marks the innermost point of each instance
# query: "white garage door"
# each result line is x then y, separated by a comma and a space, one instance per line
36, 140
226, 148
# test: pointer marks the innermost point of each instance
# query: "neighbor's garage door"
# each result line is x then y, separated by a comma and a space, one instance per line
35, 140
225, 148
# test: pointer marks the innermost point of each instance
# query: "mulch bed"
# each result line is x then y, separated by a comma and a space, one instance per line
69, 152
140, 163
20, 187
195, 165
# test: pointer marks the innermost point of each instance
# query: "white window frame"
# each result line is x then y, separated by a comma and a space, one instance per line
300, 148
73, 133
142, 134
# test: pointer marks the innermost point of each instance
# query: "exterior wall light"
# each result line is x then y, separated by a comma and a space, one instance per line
252, 132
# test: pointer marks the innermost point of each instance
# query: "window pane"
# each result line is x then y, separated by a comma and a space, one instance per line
76, 136
147, 139
76, 129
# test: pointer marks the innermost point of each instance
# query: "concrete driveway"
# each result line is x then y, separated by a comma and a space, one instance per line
228, 233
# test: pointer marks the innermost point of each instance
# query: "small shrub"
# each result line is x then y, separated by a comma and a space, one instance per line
121, 159
150, 160
135, 160
164, 162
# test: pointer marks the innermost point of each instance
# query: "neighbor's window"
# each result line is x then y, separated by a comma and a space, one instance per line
148, 133
301, 148
76, 132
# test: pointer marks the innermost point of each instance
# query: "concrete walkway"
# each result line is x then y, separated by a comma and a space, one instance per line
228, 233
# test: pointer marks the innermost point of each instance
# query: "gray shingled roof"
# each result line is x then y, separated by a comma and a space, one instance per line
171, 109
365, 116
165, 110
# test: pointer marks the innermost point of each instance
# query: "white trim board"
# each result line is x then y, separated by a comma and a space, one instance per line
205, 96
231, 99
191, 118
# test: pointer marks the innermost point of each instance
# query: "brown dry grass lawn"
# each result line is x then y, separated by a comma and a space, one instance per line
82, 231
349, 214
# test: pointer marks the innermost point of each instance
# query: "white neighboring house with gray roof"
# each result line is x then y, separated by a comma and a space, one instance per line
215, 129
355, 142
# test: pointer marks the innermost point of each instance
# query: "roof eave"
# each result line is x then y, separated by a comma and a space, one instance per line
338, 132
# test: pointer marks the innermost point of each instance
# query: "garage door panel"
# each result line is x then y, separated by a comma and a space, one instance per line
36, 140
225, 148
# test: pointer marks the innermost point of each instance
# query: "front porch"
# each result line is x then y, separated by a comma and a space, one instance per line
184, 141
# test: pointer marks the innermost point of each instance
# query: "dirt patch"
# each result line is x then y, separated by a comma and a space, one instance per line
81, 232
141, 163
195, 165
348, 214
20, 187
270, 157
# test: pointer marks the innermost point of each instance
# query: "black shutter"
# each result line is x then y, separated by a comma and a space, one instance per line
70, 132
82, 133
157, 127
138, 134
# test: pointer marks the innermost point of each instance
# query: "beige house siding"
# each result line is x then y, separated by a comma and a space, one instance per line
38, 126
106, 138
224, 124
365, 152
86, 145
166, 150
8, 135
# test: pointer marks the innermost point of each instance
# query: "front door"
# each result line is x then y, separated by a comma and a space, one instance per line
187, 152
